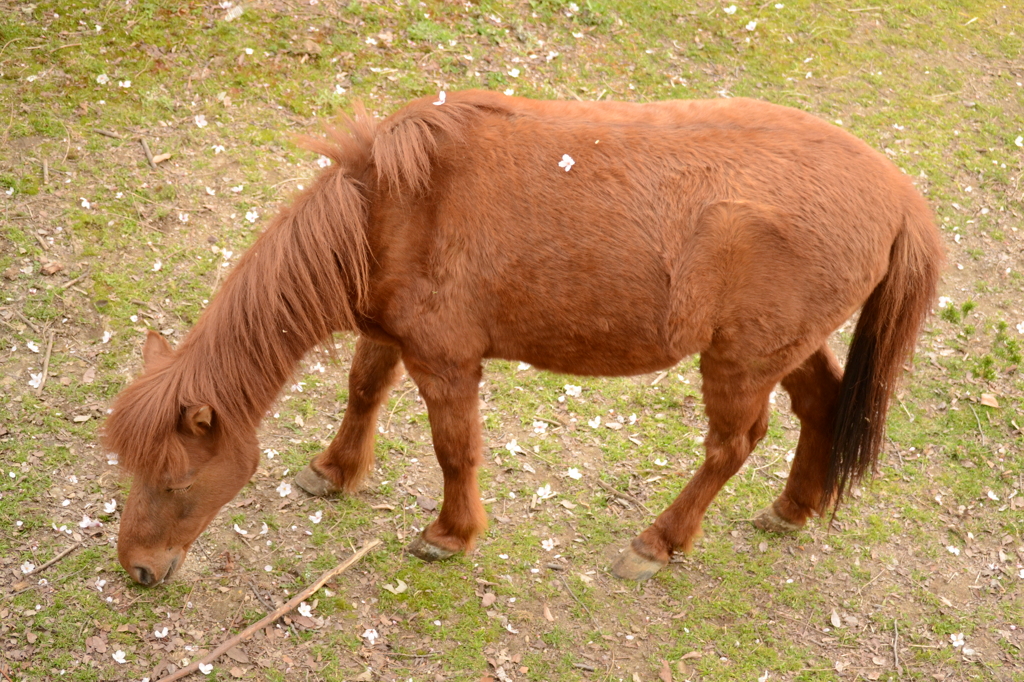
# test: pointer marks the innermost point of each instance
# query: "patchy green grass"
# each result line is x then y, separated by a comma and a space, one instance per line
931, 549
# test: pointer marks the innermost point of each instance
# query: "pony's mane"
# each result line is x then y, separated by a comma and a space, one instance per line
304, 278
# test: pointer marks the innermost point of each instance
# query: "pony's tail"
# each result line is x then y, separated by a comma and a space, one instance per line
883, 339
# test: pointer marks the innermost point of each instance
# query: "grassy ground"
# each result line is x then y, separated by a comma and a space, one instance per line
921, 576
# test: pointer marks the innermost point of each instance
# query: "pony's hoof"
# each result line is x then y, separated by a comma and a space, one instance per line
428, 552
770, 521
313, 483
632, 566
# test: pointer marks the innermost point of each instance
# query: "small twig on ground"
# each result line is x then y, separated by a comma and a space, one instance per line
869, 582
149, 154
980, 431
395, 407
659, 378
71, 282
27, 321
896, 646
271, 617
626, 496
46, 365
548, 421
51, 562
67, 148
42, 242
46, 172
267, 605
909, 416
247, 543
107, 133
577, 600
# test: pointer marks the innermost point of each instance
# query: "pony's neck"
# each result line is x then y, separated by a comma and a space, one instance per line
300, 282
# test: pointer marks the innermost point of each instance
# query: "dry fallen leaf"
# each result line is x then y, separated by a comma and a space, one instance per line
96, 644
989, 399
835, 620
50, 267
489, 599
692, 654
397, 589
547, 613
665, 674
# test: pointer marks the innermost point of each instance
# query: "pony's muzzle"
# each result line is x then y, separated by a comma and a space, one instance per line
150, 575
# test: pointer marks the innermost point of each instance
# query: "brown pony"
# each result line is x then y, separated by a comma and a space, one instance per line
589, 238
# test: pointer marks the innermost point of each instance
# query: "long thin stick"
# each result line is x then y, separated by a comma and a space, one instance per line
271, 617
46, 366
54, 560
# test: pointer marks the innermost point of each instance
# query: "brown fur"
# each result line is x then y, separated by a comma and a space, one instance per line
448, 234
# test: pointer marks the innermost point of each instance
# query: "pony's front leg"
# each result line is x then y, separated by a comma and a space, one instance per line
349, 457
452, 399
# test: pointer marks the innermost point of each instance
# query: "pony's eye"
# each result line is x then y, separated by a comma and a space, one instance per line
180, 490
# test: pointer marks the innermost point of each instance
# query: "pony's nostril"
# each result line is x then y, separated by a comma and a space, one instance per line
170, 569
145, 576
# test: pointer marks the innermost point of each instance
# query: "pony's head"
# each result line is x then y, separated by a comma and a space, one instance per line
185, 461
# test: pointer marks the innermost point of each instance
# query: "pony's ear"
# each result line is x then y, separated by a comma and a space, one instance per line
198, 420
155, 348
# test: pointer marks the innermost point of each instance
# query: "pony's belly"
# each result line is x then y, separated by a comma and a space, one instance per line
593, 365
602, 354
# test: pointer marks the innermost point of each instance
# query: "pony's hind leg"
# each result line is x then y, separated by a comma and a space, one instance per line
813, 388
452, 399
737, 410
349, 457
